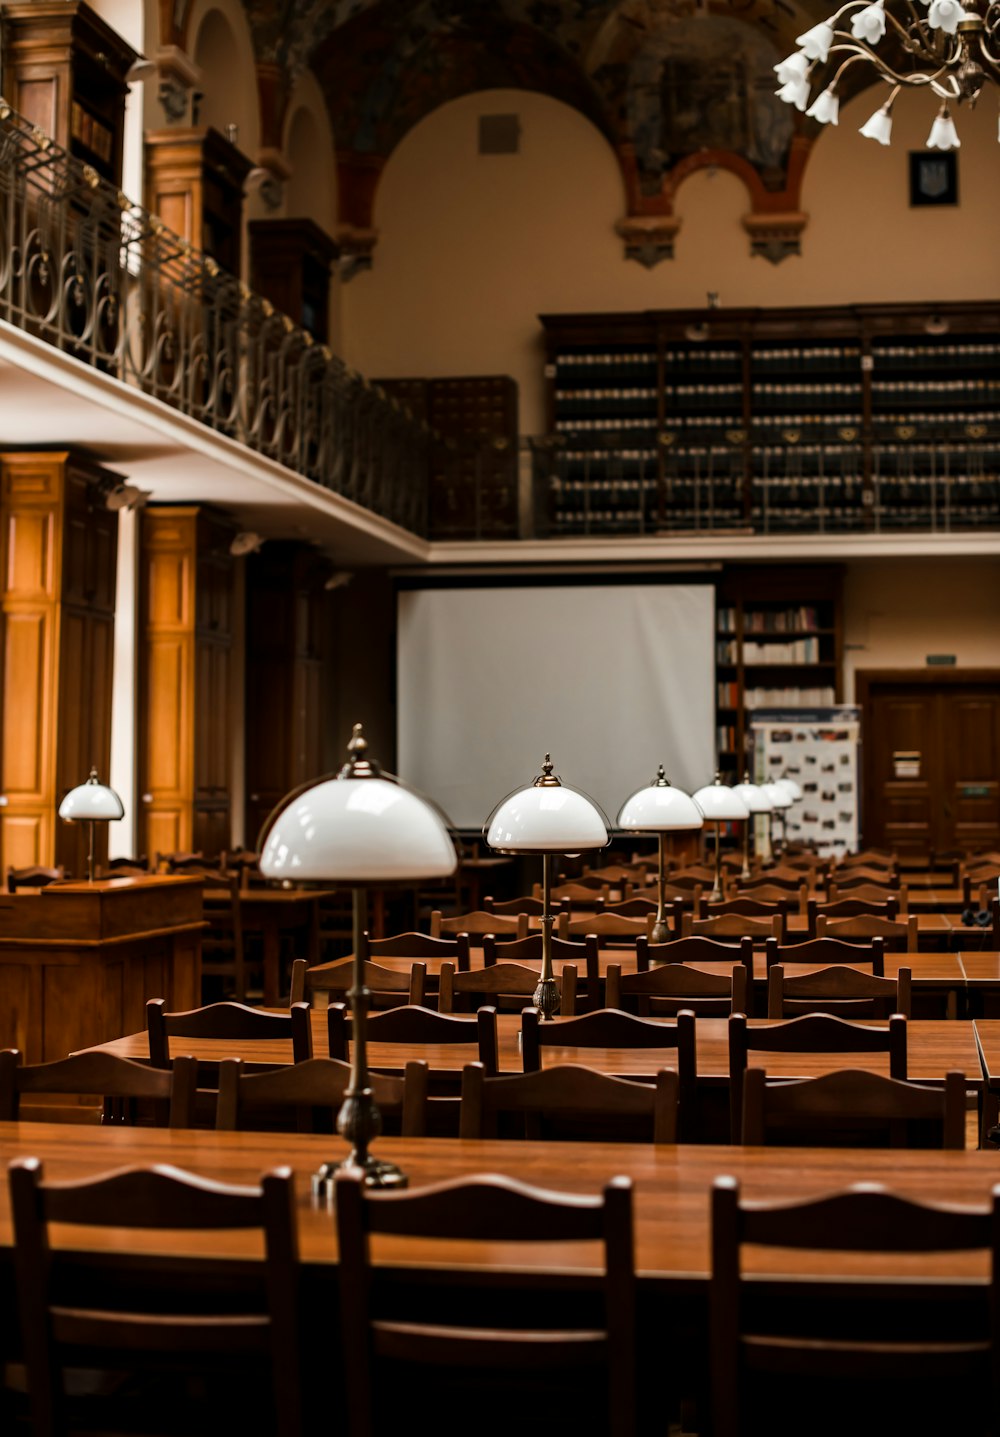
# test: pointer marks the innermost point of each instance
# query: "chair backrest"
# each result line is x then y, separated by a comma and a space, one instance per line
300, 1088
774, 880
178, 862
386, 983
731, 927
423, 1025
812, 1033
222, 941
493, 1210
766, 1349
870, 858
686, 885
418, 945
844, 992
846, 881
534, 907
888, 907
571, 1093
226, 1020
584, 956
700, 951
693, 873
244, 862
898, 936
853, 1105
65, 1329
298, 981
478, 923
670, 987
578, 895
606, 927
826, 953
466, 992
105, 1075
34, 876
641, 904
748, 907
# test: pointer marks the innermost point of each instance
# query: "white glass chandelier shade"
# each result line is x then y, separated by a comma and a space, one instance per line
720, 803
546, 817
357, 828
660, 808
754, 797
92, 800
942, 47
779, 795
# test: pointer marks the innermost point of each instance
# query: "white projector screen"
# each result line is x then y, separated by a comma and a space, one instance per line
612, 680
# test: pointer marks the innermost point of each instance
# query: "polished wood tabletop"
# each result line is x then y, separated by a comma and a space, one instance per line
935, 1047
671, 1185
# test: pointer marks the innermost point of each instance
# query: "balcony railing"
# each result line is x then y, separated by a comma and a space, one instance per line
103, 280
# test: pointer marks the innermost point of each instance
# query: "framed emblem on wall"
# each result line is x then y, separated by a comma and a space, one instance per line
933, 177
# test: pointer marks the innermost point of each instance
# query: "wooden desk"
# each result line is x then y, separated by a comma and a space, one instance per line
273, 912
936, 1047
78, 961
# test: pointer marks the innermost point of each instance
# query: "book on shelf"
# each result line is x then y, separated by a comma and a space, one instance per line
765, 698
728, 695
779, 621
798, 651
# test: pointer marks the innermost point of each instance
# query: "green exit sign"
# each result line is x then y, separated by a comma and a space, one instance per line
942, 661
975, 790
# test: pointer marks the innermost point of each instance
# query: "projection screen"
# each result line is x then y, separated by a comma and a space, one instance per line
612, 680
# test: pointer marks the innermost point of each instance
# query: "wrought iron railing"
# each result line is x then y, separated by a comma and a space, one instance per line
103, 280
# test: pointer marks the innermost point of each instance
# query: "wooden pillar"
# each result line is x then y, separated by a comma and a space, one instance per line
185, 656
59, 549
287, 612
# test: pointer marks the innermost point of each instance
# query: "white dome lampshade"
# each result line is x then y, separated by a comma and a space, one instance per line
92, 802
660, 808
357, 828
791, 788
546, 817
720, 804
779, 796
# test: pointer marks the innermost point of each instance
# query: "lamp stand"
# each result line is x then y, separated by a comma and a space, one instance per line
716, 894
745, 870
546, 995
90, 852
660, 931
359, 1120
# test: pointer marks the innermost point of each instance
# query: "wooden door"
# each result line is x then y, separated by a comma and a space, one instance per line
930, 760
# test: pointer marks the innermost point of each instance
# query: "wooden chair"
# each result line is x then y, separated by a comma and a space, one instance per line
856, 1105
35, 876
606, 928
668, 988
585, 958
165, 1317
640, 905
851, 908
534, 907
827, 953
844, 992
589, 881
846, 881
493, 1210
419, 945
501, 986
226, 1020
222, 947
103, 1074
245, 863
732, 927
578, 1096
702, 951
423, 1025
388, 987
870, 858
300, 1088
813, 1033
899, 1364
897, 937
478, 923
694, 873
180, 862
577, 895
124, 867
783, 880
747, 907
618, 873
609, 1028
973, 885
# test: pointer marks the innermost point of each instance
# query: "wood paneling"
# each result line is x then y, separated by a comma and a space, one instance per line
58, 565
194, 180
931, 756
185, 680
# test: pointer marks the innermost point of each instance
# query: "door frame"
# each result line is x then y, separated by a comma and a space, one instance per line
944, 676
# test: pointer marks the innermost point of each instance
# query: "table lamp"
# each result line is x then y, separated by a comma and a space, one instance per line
661, 809
720, 804
91, 802
756, 801
781, 799
547, 817
361, 829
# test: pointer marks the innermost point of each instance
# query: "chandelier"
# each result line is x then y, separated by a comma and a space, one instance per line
939, 44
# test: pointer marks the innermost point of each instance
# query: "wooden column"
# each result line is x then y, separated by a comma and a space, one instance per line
287, 622
59, 550
185, 656
194, 182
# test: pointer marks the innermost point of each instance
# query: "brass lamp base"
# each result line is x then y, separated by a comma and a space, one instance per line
377, 1174
660, 932
546, 998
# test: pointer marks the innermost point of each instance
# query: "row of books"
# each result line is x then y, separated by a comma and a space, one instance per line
764, 698
798, 651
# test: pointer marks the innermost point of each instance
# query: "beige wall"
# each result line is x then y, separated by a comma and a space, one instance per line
472, 248
897, 611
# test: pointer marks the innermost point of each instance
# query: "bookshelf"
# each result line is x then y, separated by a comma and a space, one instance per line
778, 643
836, 419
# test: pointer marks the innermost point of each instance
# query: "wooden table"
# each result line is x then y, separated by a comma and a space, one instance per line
274, 912
936, 1047
78, 961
